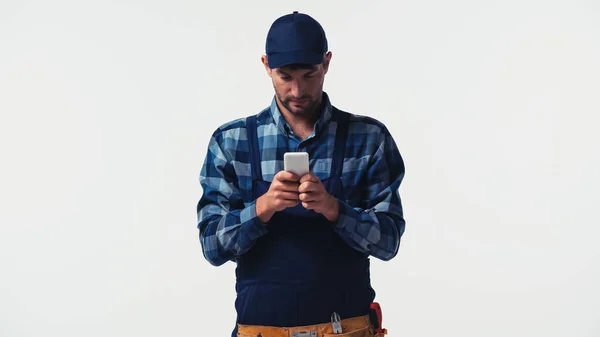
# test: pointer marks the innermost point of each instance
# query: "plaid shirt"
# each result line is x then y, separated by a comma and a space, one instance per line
370, 214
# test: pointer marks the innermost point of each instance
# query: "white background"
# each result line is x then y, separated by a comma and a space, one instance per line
107, 108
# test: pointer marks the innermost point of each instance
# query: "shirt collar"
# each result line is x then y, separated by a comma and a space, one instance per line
324, 116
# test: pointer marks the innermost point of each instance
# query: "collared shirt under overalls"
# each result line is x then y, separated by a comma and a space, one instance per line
301, 271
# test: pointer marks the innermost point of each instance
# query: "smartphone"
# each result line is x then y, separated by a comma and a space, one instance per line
296, 162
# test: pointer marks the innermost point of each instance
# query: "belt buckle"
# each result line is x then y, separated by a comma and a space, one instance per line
304, 334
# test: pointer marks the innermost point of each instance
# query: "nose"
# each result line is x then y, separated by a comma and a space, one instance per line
297, 89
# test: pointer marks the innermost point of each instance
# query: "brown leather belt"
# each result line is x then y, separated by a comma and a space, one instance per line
351, 327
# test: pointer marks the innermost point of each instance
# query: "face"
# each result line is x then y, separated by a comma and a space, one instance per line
299, 89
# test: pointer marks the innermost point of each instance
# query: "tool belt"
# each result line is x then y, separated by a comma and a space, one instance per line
360, 326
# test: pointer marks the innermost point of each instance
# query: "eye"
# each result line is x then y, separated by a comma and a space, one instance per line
286, 78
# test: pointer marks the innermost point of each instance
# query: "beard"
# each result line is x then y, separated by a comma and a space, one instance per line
309, 104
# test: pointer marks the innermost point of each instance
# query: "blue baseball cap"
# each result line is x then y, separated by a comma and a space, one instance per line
295, 39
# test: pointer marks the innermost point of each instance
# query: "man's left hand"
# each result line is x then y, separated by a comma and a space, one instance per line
314, 196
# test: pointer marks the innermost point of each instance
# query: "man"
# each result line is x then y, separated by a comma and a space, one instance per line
301, 244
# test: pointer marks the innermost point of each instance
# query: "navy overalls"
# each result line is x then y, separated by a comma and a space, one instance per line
301, 271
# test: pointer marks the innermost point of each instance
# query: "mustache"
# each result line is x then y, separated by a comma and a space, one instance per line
289, 99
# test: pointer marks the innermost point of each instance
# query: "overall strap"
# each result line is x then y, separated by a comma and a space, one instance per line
339, 150
253, 149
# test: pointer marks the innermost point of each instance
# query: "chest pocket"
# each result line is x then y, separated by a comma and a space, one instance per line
354, 180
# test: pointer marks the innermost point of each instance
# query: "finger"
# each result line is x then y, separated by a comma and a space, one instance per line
282, 204
309, 197
294, 196
310, 204
309, 177
288, 203
309, 187
286, 176
287, 186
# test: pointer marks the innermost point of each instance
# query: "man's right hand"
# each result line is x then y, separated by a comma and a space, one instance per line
282, 193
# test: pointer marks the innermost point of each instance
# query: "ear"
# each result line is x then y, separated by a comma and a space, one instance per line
326, 61
265, 63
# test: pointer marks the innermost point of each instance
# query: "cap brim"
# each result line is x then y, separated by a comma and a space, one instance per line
278, 60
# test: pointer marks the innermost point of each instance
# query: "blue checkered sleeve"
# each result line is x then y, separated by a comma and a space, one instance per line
375, 228
228, 227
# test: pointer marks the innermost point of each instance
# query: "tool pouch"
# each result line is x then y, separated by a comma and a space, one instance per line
375, 317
